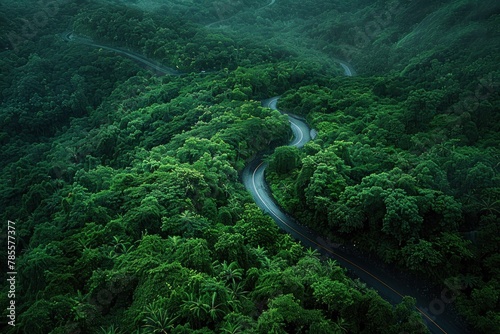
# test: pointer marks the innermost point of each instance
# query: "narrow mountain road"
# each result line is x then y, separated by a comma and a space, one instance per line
154, 66
434, 311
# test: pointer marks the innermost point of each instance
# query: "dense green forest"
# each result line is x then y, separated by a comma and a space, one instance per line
125, 185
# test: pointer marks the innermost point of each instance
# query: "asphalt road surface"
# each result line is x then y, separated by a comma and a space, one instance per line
434, 306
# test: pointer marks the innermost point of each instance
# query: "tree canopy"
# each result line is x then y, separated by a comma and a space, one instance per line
124, 183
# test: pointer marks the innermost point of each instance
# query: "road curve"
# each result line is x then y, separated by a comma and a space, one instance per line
155, 66
391, 288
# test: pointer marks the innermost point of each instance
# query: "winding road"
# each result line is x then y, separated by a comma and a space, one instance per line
151, 64
436, 313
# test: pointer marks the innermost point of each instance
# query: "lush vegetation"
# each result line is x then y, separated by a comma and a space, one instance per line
125, 189
406, 165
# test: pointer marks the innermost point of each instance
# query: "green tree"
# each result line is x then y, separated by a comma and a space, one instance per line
421, 107
409, 321
457, 253
231, 247
188, 224
195, 254
229, 273
402, 219
157, 320
257, 228
422, 256
335, 295
284, 159
285, 314
147, 217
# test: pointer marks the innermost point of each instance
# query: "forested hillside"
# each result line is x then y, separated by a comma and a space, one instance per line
406, 165
125, 185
